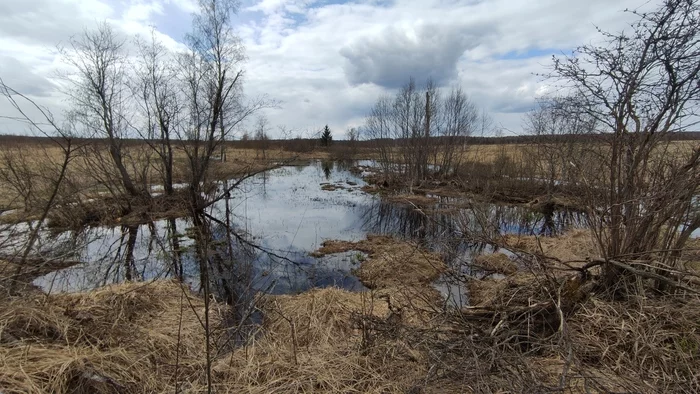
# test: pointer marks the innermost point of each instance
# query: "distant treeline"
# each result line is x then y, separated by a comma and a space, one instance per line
311, 143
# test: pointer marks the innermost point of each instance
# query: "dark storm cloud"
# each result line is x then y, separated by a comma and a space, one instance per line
390, 58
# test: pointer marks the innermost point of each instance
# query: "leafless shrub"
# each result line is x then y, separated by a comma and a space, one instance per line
639, 88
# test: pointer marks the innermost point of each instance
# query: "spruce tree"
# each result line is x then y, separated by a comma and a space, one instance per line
326, 136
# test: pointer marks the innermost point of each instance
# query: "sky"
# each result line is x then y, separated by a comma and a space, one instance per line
327, 61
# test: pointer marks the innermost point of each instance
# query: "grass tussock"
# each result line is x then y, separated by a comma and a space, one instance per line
391, 262
577, 244
536, 333
529, 332
126, 338
641, 345
311, 342
498, 263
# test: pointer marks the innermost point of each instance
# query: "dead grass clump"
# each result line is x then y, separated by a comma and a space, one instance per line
496, 293
399, 272
650, 344
122, 338
312, 343
496, 263
329, 187
577, 244
551, 332
391, 262
322, 313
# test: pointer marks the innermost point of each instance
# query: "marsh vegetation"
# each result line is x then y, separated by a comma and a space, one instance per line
142, 249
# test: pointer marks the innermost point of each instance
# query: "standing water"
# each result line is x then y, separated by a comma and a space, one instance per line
279, 218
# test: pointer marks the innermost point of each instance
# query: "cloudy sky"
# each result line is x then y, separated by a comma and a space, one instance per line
326, 61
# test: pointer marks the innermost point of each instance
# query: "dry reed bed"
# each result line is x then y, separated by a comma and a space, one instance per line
391, 339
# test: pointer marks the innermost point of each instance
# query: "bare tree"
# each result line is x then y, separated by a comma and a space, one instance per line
640, 87
353, 134
460, 117
211, 76
559, 153
156, 91
418, 128
261, 137
99, 94
53, 174
378, 127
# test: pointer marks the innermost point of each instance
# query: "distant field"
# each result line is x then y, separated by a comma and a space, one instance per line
42, 158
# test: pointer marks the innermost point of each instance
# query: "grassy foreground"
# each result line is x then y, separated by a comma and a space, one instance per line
397, 337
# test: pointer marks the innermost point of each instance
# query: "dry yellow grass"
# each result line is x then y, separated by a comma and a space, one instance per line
311, 343
576, 244
391, 262
496, 262
127, 339
147, 337
124, 338
44, 158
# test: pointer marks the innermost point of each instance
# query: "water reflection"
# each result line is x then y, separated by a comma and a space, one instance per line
327, 169
259, 237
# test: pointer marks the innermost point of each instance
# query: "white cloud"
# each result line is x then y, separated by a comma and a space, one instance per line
142, 11
328, 60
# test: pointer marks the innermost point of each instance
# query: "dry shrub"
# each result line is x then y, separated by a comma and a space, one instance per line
550, 331
122, 338
516, 339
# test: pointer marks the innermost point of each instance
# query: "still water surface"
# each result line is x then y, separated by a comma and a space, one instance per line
281, 216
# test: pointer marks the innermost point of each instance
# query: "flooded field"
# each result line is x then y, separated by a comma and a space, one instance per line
280, 217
